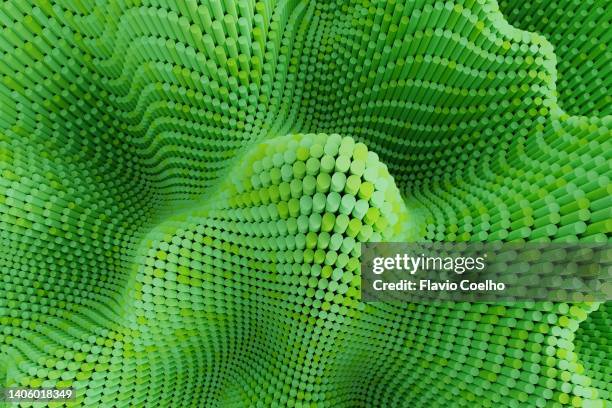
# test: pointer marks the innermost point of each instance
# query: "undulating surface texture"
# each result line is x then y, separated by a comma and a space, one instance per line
185, 184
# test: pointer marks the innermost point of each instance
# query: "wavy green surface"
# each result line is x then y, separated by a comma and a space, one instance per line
184, 187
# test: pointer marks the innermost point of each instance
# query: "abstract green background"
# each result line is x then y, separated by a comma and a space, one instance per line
185, 184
